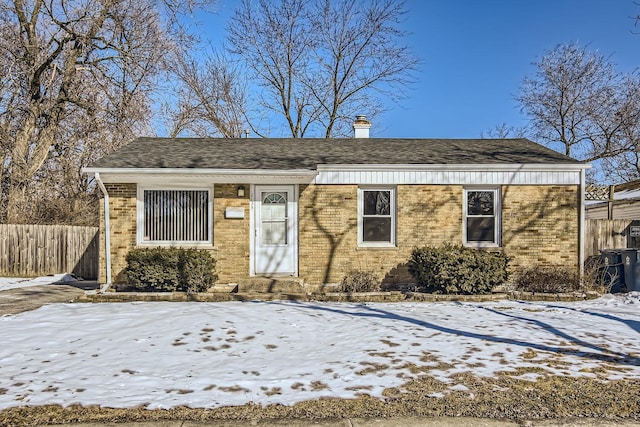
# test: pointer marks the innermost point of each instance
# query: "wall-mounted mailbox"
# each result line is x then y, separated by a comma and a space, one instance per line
234, 213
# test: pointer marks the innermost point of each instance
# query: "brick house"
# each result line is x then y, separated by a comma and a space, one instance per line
318, 208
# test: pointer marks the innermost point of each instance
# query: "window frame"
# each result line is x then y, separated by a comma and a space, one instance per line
284, 220
393, 215
184, 243
497, 217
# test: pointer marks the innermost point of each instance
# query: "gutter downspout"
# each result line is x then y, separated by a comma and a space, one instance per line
107, 233
582, 222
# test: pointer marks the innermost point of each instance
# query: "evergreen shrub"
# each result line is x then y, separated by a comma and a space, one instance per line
455, 269
170, 269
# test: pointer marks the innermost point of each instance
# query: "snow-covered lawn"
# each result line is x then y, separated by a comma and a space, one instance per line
7, 283
215, 354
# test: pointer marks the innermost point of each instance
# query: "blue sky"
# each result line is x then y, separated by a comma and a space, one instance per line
475, 54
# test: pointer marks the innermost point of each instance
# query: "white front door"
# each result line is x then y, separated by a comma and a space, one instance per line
275, 230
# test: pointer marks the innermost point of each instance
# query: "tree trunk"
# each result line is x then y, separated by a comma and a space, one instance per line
26, 160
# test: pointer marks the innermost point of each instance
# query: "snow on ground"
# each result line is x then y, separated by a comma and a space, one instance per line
7, 283
163, 354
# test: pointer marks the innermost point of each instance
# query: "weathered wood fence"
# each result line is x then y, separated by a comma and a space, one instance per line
37, 250
609, 234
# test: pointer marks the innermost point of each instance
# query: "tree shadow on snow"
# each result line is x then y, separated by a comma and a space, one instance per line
633, 324
598, 353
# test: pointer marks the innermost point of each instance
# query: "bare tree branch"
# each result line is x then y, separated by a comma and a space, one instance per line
80, 75
321, 62
211, 96
579, 103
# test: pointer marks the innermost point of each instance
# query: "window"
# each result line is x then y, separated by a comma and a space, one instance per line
376, 217
174, 216
273, 217
482, 217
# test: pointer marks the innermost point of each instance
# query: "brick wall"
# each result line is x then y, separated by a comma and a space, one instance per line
539, 223
230, 236
427, 214
122, 221
539, 226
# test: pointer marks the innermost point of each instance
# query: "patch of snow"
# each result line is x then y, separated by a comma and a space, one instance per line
459, 387
7, 283
206, 355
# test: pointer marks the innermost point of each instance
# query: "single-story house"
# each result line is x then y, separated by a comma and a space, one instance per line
318, 208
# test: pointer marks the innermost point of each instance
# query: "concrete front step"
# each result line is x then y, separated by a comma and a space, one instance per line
282, 285
224, 288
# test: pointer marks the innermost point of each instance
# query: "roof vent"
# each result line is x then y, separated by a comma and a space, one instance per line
361, 127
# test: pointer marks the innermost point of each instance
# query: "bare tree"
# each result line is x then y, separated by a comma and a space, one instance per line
274, 40
579, 103
79, 74
505, 130
210, 96
626, 165
320, 62
358, 58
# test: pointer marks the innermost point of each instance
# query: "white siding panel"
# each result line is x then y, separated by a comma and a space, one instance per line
621, 210
627, 211
597, 212
450, 177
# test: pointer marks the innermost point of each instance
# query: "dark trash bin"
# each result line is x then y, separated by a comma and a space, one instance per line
636, 282
613, 269
630, 259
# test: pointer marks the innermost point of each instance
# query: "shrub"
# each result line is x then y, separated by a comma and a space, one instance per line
557, 279
153, 269
597, 277
197, 270
547, 278
170, 269
360, 281
455, 269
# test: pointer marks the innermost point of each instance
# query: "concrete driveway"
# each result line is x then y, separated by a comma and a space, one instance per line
17, 300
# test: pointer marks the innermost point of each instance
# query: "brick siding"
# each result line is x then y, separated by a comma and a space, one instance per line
539, 226
230, 236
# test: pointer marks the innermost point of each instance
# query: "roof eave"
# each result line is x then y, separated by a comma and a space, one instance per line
342, 167
459, 167
197, 171
179, 176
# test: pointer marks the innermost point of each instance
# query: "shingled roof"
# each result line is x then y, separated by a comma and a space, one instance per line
289, 154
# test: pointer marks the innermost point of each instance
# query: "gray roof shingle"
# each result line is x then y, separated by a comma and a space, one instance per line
289, 153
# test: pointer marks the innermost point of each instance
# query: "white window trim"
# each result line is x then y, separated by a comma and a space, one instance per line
394, 217
497, 208
184, 243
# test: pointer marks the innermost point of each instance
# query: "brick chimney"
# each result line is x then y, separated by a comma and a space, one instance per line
361, 127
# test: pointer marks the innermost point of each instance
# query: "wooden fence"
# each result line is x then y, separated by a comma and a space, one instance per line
609, 234
37, 250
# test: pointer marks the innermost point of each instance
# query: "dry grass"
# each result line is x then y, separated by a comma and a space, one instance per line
500, 397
